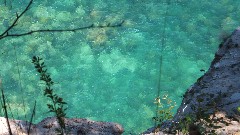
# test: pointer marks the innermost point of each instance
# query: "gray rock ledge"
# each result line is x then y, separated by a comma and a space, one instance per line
49, 125
219, 85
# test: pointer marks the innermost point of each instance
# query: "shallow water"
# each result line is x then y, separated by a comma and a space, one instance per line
111, 74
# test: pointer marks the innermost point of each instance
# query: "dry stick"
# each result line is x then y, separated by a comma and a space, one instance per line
9, 108
63, 30
33, 114
5, 33
1, 102
5, 109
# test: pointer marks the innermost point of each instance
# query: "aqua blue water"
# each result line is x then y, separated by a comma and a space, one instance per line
111, 74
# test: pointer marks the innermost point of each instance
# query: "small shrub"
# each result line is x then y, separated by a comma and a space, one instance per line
165, 108
57, 105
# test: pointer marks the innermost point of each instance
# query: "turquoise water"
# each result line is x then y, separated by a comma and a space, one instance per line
111, 74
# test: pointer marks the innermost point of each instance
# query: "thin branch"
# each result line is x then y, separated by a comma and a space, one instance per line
63, 30
18, 16
5, 33
5, 109
33, 114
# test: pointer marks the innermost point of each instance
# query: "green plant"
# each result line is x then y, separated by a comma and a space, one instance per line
57, 105
165, 108
184, 124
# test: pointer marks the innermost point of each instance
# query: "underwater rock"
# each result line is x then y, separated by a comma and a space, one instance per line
74, 126
215, 94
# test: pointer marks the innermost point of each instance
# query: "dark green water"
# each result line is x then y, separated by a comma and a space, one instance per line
111, 74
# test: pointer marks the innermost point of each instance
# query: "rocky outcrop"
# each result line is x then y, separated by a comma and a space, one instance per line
216, 93
49, 125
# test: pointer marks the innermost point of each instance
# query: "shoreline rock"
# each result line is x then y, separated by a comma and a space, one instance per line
49, 125
216, 93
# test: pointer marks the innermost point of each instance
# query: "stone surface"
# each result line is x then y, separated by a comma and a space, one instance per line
216, 92
74, 126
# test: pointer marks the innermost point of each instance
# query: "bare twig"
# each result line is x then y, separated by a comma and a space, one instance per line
5, 109
33, 114
63, 30
18, 16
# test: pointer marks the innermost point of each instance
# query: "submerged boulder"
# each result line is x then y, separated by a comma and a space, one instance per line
74, 126
216, 94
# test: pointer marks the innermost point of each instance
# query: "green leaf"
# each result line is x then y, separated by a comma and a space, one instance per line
63, 102
57, 102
